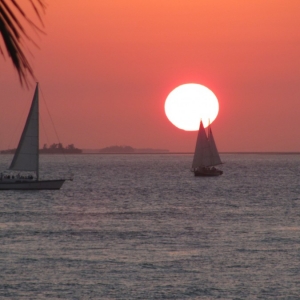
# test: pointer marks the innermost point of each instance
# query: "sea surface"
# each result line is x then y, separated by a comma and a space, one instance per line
143, 227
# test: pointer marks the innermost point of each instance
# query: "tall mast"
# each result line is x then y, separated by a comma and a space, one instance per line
38, 132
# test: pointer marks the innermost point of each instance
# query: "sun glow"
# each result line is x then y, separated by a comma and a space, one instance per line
189, 103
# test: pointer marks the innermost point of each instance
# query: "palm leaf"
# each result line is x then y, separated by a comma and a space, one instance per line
13, 33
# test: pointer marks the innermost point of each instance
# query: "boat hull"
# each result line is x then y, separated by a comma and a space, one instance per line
208, 173
32, 185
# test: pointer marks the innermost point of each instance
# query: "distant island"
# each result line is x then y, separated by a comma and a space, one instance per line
59, 148
125, 150
71, 149
52, 149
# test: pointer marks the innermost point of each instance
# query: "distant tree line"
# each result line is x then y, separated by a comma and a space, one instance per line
52, 149
59, 148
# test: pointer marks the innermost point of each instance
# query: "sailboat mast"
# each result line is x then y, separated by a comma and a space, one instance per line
38, 131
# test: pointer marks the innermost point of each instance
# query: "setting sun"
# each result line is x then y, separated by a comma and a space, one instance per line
189, 103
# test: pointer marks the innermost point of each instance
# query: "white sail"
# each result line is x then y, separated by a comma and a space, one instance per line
215, 157
27, 154
202, 156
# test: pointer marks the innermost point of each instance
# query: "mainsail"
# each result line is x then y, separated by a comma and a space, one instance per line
27, 154
202, 156
215, 157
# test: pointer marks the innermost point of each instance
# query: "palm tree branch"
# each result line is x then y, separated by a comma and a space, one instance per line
15, 51
12, 31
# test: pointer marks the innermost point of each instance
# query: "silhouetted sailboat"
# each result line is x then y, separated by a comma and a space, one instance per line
26, 158
206, 155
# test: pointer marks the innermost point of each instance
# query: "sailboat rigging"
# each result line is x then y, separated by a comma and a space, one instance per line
26, 158
206, 155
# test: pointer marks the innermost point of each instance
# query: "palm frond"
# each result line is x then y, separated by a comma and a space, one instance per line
13, 33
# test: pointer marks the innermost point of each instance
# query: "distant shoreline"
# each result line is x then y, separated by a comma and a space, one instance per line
124, 150
172, 153
261, 152
96, 152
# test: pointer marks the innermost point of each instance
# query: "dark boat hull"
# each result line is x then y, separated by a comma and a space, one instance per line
208, 173
32, 185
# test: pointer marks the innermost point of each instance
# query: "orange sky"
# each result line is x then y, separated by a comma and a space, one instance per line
106, 67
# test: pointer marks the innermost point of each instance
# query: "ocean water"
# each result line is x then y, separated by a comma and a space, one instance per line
143, 227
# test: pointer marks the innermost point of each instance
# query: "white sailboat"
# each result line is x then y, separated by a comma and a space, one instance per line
206, 155
26, 158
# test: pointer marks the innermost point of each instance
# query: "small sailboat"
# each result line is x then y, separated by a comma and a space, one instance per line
26, 158
206, 155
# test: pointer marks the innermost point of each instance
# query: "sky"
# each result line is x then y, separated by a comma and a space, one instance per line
105, 69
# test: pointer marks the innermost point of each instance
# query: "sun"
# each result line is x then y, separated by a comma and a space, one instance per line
189, 103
